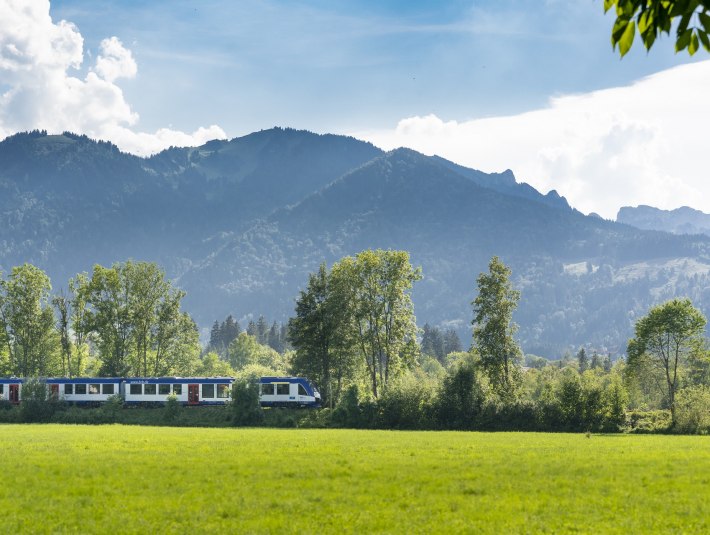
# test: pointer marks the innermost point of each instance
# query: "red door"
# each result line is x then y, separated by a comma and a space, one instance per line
193, 394
54, 392
14, 393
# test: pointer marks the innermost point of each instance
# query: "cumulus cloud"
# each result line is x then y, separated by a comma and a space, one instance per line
41, 87
645, 143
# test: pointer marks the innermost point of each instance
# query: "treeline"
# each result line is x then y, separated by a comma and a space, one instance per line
223, 334
122, 320
354, 333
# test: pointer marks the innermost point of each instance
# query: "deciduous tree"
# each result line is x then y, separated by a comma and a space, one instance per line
665, 339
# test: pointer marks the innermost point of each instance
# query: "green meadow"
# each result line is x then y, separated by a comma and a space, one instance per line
61, 478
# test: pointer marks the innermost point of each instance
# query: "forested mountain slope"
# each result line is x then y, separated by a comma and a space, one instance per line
239, 224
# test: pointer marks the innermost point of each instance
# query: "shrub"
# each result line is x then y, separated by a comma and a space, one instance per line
172, 409
245, 406
111, 410
37, 405
692, 410
406, 404
460, 400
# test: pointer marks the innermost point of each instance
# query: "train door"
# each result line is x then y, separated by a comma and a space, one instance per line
54, 391
14, 393
193, 394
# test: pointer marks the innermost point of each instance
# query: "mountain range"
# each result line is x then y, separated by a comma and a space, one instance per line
683, 220
240, 224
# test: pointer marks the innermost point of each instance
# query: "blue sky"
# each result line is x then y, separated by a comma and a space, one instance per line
338, 66
530, 85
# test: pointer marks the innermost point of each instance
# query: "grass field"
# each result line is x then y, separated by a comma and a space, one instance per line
150, 479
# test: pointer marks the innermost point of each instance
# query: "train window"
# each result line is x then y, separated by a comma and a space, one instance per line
68, 389
267, 389
207, 391
107, 389
282, 389
80, 389
136, 390
149, 390
163, 390
94, 389
2, 389
177, 390
302, 391
222, 391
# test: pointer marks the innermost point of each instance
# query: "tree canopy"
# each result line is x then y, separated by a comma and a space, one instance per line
653, 17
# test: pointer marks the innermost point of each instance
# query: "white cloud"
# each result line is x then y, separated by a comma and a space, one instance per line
41, 89
640, 144
115, 61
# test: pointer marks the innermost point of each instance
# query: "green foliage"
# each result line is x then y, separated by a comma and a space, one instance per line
36, 405
406, 404
172, 408
245, 351
493, 329
460, 400
212, 366
666, 339
245, 407
693, 410
321, 335
134, 315
653, 17
376, 287
27, 323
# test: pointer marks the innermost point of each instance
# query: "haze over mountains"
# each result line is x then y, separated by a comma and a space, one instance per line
683, 220
240, 224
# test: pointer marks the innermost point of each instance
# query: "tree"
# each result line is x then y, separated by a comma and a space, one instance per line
664, 340
433, 343
582, 360
376, 286
452, 343
27, 321
319, 333
245, 350
135, 317
653, 17
493, 328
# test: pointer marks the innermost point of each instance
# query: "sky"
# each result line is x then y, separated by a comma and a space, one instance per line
527, 85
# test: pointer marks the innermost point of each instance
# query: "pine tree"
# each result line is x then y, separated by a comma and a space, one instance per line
582, 360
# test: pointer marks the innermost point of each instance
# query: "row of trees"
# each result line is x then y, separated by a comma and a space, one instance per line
122, 320
224, 333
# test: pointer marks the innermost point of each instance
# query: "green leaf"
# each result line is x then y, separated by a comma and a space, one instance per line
683, 40
627, 38
693, 46
704, 40
608, 4
705, 21
648, 39
618, 30
645, 21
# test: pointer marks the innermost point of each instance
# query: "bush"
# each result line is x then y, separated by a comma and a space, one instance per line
406, 404
245, 406
692, 410
172, 409
111, 410
460, 400
649, 421
36, 405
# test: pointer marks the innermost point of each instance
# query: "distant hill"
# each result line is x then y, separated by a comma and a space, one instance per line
239, 224
683, 220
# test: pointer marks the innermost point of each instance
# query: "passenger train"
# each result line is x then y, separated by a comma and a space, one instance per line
273, 391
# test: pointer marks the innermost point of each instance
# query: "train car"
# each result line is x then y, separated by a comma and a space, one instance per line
188, 390
11, 389
84, 390
288, 392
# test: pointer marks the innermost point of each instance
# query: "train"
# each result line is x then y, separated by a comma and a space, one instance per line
273, 391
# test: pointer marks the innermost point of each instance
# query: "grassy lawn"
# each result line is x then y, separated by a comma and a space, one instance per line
150, 479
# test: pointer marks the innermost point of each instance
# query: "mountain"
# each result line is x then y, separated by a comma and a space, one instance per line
240, 224
683, 220
583, 279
